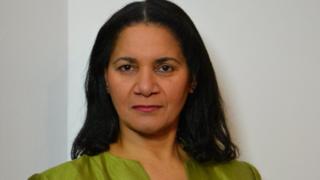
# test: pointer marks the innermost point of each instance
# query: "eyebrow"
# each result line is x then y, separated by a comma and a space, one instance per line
165, 59
158, 61
124, 58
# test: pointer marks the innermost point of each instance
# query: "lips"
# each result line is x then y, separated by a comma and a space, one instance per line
146, 108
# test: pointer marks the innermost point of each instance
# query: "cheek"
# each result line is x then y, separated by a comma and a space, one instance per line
118, 95
119, 100
119, 91
177, 91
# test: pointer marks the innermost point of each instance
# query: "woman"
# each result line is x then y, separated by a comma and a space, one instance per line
154, 109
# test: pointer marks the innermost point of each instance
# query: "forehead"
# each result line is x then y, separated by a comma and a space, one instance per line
147, 41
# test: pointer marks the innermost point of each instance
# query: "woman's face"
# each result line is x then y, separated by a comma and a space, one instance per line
147, 79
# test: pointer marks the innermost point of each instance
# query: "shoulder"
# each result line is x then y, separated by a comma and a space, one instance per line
235, 169
85, 167
232, 170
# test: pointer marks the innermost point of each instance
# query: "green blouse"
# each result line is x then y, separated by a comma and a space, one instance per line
106, 166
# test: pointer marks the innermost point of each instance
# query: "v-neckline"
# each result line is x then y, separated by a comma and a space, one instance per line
186, 164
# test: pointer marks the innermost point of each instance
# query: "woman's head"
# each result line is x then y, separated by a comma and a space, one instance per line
201, 127
147, 80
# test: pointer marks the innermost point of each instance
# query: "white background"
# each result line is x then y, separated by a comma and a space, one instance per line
265, 53
33, 86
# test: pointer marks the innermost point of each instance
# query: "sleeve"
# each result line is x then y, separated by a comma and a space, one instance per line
37, 177
255, 173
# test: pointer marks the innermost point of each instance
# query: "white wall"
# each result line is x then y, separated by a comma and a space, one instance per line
33, 71
266, 54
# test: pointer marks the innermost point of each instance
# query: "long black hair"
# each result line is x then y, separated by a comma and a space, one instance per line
202, 130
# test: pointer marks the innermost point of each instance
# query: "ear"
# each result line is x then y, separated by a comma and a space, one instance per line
193, 85
106, 81
107, 87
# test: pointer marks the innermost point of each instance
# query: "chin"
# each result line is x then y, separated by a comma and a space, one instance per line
151, 130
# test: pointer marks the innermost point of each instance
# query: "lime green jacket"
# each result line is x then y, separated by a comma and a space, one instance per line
106, 166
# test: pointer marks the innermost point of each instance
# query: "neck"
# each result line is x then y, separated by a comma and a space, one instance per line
161, 147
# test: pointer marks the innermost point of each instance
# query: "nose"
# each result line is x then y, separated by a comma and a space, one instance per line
146, 83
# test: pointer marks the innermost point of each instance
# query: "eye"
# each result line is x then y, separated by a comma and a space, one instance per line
126, 68
165, 68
